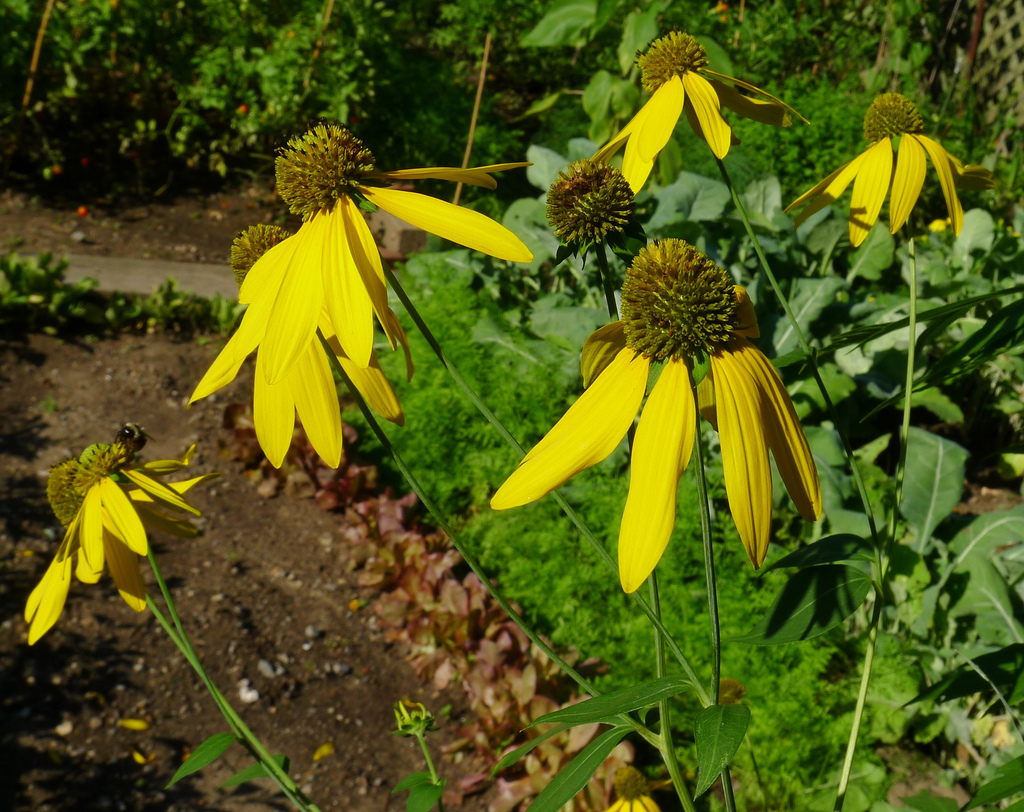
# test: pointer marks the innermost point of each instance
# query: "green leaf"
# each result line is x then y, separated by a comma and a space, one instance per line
605, 707
840, 548
513, 756
546, 165
926, 802
933, 483
206, 753
564, 24
874, 255
1008, 781
1004, 669
808, 298
797, 356
257, 770
540, 105
574, 777
977, 234
639, 28
690, 198
424, 797
412, 780
812, 602
718, 731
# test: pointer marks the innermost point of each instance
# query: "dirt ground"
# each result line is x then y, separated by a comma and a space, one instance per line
263, 590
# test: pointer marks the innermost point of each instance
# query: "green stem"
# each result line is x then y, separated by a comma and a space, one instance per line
809, 354
435, 779
668, 750
574, 517
459, 545
606, 281
176, 631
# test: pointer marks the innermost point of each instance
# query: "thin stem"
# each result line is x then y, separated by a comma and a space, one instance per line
808, 352
176, 632
668, 750
459, 545
606, 281
574, 517
435, 779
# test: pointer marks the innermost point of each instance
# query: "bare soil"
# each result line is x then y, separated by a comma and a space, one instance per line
263, 591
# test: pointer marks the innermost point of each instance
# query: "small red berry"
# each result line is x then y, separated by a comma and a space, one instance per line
85, 163
82, 211
57, 169
243, 109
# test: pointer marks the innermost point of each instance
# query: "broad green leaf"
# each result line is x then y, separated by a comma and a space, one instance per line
933, 483
939, 404
840, 548
874, 255
1004, 669
808, 298
604, 707
639, 28
575, 775
257, 770
206, 753
978, 234
718, 58
926, 802
987, 533
564, 24
1008, 781
412, 780
718, 731
513, 756
597, 104
690, 198
424, 797
811, 602
546, 165
763, 200
990, 600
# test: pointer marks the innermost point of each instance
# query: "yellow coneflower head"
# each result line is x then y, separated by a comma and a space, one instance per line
674, 54
318, 168
891, 115
632, 788
588, 202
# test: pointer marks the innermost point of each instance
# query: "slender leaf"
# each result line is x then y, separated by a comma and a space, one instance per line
574, 777
718, 731
424, 797
607, 706
257, 770
412, 780
206, 753
812, 602
933, 483
838, 549
564, 24
1004, 669
1008, 781
513, 756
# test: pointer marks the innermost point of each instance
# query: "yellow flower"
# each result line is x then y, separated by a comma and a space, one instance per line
632, 787
674, 70
308, 387
892, 123
332, 263
677, 305
106, 508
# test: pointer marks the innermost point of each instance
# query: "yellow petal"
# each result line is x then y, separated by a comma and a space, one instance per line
160, 492
748, 476
586, 434
316, 400
264, 277
765, 112
973, 178
907, 181
367, 257
706, 399
89, 567
702, 97
661, 452
634, 170
663, 111
391, 323
616, 141
783, 432
375, 388
753, 89
123, 519
124, 568
746, 317
476, 175
600, 350
296, 308
155, 520
944, 168
223, 369
869, 190
347, 300
828, 190
463, 226
273, 412
47, 600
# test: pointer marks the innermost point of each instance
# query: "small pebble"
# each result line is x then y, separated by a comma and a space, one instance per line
247, 693
64, 728
341, 669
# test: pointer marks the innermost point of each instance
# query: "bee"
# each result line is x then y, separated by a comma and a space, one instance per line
131, 436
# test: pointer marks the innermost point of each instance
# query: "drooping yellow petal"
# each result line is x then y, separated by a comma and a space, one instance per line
746, 317
155, 520
264, 278
124, 568
475, 175
47, 600
702, 97
463, 226
973, 177
120, 516
765, 112
944, 168
391, 323
316, 400
869, 190
634, 170
600, 350
664, 109
661, 452
706, 399
296, 308
273, 413
827, 191
368, 261
907, 181
783, 432
160, 492
587, 433
748, 476
346, 298
753, 89
615, 142
89, 567
375, 388
222, 371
